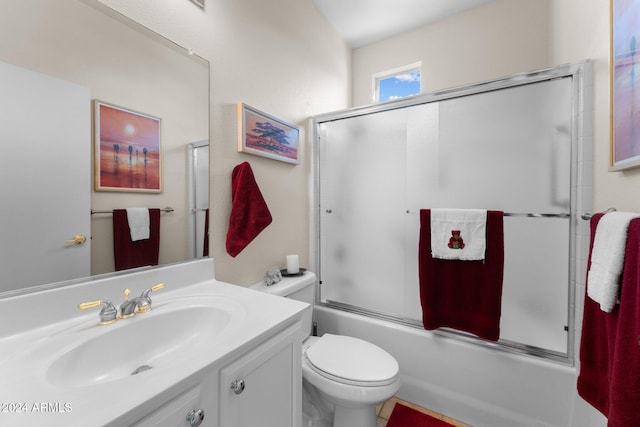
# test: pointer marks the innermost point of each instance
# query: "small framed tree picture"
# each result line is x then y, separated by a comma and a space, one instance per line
261, 134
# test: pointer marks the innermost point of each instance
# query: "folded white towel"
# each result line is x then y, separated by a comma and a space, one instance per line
607, 258
138, 219
458, 234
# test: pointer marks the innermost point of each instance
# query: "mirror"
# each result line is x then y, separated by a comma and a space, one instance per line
125, 64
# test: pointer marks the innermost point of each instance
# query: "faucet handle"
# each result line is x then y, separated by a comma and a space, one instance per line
144, 301
108, 314
157, 287
146, 292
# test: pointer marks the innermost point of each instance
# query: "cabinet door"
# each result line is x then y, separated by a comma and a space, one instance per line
263, 388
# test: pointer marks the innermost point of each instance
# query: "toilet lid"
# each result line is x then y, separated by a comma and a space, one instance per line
352, 361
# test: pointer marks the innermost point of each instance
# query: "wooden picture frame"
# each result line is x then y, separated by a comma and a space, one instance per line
127, 150
264, 135
625, 84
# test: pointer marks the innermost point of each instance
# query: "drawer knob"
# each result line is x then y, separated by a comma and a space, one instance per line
238, 386
195, 417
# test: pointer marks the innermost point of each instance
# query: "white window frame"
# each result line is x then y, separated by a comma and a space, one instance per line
416, 66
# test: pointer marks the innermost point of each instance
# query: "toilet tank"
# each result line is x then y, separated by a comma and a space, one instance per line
300, 288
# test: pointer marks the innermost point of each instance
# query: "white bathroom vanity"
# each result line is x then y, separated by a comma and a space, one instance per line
208, 353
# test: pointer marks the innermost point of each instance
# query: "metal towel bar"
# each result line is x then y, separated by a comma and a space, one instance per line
588, 216
167, 209
525, 214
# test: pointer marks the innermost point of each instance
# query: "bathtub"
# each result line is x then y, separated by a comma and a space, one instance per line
480, 386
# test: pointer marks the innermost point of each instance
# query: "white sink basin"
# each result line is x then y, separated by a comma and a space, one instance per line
139, 345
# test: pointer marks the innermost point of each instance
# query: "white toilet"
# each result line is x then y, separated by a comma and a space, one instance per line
344, 377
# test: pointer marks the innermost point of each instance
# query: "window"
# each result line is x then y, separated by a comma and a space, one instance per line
397, 83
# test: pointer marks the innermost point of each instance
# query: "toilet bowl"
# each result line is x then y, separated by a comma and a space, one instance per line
353, 375
346, 375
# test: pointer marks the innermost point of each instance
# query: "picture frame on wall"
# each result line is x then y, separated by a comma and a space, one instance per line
625, 84
264, 135
127, 150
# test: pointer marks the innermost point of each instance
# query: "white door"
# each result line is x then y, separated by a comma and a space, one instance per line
45, 176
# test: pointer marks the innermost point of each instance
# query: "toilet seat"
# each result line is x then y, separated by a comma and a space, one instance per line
351, 361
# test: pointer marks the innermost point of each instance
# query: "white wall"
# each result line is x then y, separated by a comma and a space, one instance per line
587, 36
281, 57
498, 39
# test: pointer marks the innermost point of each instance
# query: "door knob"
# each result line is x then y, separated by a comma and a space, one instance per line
78, 239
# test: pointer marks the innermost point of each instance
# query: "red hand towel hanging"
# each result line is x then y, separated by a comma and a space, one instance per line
249, 212
141, 253
463, 295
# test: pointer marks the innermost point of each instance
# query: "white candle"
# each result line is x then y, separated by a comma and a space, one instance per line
293, 266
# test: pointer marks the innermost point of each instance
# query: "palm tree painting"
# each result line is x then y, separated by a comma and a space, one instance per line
267, 136
127, 150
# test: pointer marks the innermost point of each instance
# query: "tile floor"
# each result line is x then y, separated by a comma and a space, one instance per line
384, 412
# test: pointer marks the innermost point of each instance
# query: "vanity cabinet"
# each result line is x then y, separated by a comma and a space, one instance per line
264, 386
203, 336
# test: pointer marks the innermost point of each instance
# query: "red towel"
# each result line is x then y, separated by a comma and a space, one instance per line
249, 212
130, 254
609, 377
463, 295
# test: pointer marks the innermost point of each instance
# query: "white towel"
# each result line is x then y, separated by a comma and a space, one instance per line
471, 224
138, 219
607, 258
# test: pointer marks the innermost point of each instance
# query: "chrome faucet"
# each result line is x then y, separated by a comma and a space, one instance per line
128, 307
143, 302
108, 314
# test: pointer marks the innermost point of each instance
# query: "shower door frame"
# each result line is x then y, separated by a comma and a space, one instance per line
198, 195
580, 195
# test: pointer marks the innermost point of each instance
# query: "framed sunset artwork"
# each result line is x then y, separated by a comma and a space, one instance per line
264, 135
128, 154
625, 84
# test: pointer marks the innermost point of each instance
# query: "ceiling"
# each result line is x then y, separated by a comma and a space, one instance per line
361, 22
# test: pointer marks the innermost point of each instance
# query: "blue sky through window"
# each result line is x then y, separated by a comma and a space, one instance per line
399, 85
